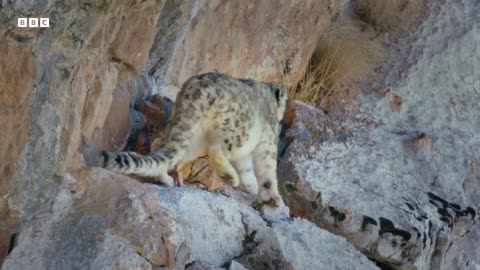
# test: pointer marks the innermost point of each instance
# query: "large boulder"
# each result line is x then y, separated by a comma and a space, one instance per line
400, 180
102, 220
365, 185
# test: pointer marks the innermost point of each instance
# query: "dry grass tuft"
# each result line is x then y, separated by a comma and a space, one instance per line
343, 53
384, 15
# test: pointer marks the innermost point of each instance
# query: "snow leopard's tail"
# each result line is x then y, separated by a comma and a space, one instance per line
156, 164
153, 165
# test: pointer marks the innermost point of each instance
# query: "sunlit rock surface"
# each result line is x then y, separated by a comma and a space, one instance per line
400, 180
398, 183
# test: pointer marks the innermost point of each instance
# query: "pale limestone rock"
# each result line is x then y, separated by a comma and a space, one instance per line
102, 220
362, 185
401, 181
299, 244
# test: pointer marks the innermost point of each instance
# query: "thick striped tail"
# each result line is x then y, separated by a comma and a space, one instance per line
153, 165
158, 163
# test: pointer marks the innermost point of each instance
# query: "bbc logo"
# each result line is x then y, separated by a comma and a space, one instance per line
33, 22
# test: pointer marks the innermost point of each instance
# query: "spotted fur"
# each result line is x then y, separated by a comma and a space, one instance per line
234, 121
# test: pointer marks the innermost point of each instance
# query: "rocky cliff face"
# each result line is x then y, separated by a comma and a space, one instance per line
401, 185
400, 181
67, 91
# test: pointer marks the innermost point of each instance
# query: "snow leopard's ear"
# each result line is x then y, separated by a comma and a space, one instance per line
279, 92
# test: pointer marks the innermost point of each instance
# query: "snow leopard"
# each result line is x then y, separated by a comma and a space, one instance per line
233, 121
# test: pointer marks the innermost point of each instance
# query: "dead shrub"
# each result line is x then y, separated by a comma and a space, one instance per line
343, 53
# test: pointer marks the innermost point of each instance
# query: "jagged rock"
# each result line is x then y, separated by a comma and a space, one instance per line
295, 245
361, 185
399, 182
101, 220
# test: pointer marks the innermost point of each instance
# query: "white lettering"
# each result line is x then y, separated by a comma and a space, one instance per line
22, 22
44, 22
33, 22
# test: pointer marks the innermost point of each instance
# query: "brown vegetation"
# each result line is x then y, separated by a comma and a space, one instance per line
343, 53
